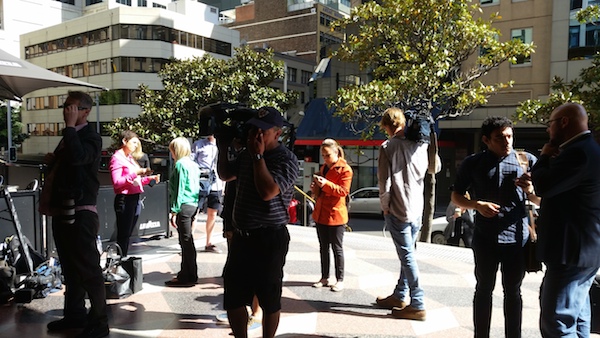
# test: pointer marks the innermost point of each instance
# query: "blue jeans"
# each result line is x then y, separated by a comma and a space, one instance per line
488, 256
404, 236
565, 301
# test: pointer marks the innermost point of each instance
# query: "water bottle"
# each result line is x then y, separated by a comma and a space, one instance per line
99, 244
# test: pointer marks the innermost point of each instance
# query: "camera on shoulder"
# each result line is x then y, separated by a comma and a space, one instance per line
225, 120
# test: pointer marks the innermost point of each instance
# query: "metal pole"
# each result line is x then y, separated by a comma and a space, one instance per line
97, 114
8, 127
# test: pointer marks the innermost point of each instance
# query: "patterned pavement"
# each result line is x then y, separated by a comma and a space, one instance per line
372, 269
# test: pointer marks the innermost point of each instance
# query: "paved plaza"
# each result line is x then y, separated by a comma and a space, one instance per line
371, 270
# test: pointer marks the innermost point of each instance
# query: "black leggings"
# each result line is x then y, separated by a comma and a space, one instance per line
127, 216
331, 235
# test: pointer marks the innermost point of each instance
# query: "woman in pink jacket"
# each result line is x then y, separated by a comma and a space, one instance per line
330, 189
128, 179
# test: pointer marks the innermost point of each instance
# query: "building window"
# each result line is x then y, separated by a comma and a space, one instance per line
91, 2
525, 35
490, 2
592, 35
124, 2
292, 74
575, 4
155, 5
305, 77
68, 2
574, 36
142, 3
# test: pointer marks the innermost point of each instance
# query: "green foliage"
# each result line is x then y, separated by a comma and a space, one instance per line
426, 53
192, 84
585, 89
16, 127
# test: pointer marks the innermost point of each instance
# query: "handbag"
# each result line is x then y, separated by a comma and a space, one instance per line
117, 281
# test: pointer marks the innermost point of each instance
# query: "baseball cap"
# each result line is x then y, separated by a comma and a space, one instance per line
267, 118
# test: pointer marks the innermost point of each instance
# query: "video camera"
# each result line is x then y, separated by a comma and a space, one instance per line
225, 120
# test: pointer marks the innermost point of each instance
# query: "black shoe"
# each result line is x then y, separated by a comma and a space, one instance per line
66, 324
95, 331
177, 283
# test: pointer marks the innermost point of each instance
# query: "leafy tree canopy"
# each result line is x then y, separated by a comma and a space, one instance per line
585, 89
192, 84
16, 127
424, 53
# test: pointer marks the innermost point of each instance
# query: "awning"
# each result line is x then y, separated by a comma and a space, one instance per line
319, 123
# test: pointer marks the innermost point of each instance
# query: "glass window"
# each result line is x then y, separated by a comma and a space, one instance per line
489, 2
525, 35
574, 36
292, 74
592, 34
575, 4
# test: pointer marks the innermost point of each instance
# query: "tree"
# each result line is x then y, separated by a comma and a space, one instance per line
585, 89
192, 84
427, 55
16, 127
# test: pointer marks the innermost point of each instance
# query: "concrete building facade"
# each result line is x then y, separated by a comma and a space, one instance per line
119, 47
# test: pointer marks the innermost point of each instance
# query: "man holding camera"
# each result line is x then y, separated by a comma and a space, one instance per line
266, 172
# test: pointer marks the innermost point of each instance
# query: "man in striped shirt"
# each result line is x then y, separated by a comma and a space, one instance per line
265, 171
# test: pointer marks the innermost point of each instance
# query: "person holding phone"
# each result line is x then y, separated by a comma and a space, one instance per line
567, 178
330, 188
498, 195
128, 180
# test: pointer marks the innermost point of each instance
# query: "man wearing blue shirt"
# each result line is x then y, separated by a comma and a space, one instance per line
499, 187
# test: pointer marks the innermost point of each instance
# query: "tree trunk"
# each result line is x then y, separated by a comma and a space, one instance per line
429, 207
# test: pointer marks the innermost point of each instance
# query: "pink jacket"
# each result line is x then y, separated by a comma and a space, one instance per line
123, 174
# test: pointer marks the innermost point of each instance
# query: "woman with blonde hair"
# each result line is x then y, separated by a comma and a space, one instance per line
330, 189
184, 189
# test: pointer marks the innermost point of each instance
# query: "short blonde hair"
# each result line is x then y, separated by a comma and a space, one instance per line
180, 147
332, 144
393, 117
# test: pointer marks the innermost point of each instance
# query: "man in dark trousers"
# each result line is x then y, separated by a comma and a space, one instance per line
69, 196
266, 172
499, 188
567, 177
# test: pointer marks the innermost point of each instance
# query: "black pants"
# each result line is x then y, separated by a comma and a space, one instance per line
80, 262
331, 236
189, 268
488, 257
126, 211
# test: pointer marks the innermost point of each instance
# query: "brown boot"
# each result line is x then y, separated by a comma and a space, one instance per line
408, 312
390, 302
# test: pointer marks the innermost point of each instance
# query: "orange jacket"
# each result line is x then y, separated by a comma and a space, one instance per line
331, 208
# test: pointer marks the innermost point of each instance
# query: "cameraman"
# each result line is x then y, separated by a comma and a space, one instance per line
265, 172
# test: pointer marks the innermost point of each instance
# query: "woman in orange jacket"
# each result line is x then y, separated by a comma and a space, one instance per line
331, 188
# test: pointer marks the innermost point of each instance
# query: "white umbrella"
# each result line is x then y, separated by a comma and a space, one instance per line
19, 77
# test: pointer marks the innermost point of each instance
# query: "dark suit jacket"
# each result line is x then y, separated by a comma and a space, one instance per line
569, 221
77, 158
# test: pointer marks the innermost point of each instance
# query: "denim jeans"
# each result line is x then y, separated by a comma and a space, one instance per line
565, 301
404, 236
488, 256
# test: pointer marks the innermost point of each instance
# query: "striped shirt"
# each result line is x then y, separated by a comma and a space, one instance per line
249, 210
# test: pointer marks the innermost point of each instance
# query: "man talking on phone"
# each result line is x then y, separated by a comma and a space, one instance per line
265, 171
567, 177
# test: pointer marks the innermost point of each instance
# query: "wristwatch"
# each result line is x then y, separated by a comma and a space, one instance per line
258, 157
